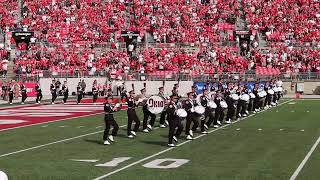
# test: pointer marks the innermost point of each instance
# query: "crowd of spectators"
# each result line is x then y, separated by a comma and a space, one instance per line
82, 24
288, 59
188, 21
8, 14
290, 20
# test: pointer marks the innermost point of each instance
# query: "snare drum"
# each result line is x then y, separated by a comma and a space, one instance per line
182, 113
199, 110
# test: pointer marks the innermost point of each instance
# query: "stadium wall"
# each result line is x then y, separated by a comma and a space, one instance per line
152, 86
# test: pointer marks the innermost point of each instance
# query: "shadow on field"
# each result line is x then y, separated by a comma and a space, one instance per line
122, 136
94, 141
159, 143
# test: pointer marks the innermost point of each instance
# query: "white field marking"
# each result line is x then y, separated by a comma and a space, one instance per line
48, 144
11, 121
56, 142
55, 120
29, 103
47, 110
85, 160
64, 108
32, 114
62, 126
174, 163
52, 121
291, 103
302, 130
114, 162
80, 126
44, 126
171, 148
98, 127
304, 161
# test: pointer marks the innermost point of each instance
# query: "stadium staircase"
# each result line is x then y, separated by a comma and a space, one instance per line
241, 23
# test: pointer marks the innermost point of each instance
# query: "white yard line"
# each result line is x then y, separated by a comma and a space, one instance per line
169, 149
304, 161
56, 142
48, 144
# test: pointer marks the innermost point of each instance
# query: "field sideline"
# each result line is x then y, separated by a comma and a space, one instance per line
268, 145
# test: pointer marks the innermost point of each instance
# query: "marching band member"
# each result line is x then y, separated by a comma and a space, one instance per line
280, 90
39, 93
146, 113
195, 94
268, 89
53, 89
232, 102
219, 112
164, 113
24, 95
10, 91
175, 90
132, 116
79, 93
245, 98
65, 92
123, 91
173, 120
251, 101
204, 103
188, 105
240, 102
109, 121
256, 100
95, 91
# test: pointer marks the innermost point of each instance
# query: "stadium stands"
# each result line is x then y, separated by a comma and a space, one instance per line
292, 20
83, 37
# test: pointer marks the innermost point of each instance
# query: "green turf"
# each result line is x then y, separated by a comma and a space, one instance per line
239, 151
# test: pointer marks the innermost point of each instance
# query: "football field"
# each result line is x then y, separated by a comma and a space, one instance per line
278, 143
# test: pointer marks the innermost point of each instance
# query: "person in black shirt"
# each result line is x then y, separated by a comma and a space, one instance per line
4, 91
174, 121
79, 93
219, 112
132, 115
175, 90
208, 111
39, 93
53, 90
10, 92
23, 93
232, 105
65, 92
109, 121
95, 92
256, 99
146, 113
188, 105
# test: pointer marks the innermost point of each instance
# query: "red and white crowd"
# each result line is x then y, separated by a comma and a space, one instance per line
70, 30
